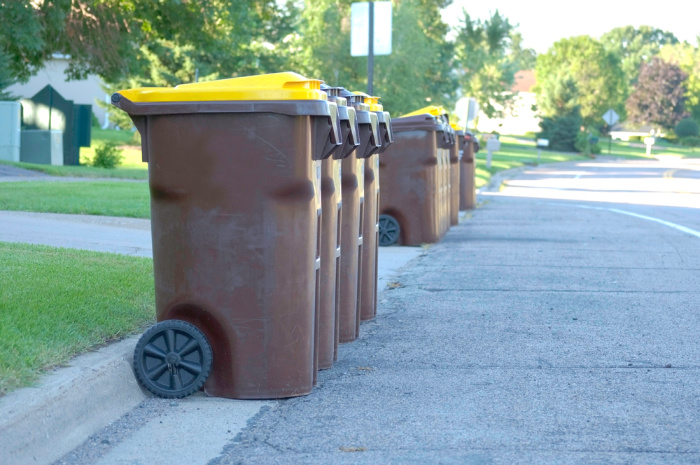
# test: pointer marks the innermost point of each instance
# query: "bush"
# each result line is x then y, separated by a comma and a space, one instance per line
636, 139
687, 128
691, 141
561, 131
107, 155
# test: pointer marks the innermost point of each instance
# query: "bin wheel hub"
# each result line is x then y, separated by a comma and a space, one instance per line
389, 230
172, 359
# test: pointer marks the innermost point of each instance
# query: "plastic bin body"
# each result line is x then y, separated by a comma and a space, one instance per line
467, 174
235, 219
454, 177
370, 233
331, 232
352, 240
409, 173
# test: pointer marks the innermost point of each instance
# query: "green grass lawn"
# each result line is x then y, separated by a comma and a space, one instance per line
57, 303
129, 199
515, 152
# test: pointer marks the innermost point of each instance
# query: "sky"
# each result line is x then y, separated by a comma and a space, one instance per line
544, 22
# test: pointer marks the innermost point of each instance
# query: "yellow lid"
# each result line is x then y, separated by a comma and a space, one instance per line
456, 126
431, 110
278, 86
373, 101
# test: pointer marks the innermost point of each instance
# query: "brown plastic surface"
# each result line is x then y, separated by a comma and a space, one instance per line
235, 207
454, 177
330, 239
410, 180
370, 234
467, 173
352, 183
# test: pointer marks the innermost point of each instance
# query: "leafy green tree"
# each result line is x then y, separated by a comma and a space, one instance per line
659, 96
488, 54
6, 78
635, 46
558, 96
596, 71
687, 58
419, 66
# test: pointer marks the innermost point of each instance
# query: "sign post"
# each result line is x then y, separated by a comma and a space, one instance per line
370, 34
610, 117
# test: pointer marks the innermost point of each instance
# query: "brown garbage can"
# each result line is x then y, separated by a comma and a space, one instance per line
467, 173
352, 241
370, 233
454, 173
330, 229
409, 204
234, 174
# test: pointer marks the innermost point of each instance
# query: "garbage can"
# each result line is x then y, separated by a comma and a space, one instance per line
352, 241
408, 205
467, 173
234, 173
331, 232
370, 233
446, 177
454, 173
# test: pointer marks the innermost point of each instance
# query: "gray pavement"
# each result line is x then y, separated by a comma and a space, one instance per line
556, 324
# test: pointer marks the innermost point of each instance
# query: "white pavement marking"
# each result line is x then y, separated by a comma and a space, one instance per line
678, 227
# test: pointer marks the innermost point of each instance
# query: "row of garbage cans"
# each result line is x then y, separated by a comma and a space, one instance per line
265, 221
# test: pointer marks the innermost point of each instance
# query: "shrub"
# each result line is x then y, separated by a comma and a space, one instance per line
636, 139
687, 128
562, 131
107, 155
691, 141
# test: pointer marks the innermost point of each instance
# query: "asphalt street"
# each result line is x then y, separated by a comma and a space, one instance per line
557, 323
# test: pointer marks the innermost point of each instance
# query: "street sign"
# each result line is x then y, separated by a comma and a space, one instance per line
359, 29
611, 117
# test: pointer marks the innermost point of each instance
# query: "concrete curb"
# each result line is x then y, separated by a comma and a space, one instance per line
42, 423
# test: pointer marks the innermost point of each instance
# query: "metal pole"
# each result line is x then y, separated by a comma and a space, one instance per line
370, 52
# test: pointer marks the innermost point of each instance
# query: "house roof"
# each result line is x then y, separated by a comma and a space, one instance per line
524, 81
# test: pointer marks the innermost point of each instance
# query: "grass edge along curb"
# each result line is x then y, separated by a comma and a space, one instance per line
64, 302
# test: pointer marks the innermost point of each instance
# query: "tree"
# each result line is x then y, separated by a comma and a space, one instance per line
635, 46
419, 66
596, 71
561, 121
687, 58
6, 78
659, 96
488, 54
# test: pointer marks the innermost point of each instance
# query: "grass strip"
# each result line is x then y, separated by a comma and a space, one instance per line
515, 153
128, 199
57, 303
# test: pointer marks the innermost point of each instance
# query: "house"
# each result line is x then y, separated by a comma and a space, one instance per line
522, 118
86, 91
624, 131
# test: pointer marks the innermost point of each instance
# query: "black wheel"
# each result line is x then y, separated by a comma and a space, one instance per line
389, 230
172, 359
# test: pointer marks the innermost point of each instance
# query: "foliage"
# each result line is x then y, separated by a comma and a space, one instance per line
107, 155
635, 46
659, 96
488, 54
561, 130
596, 72
558, 95
690, 141
585, 144
6, 78
687, 58
419, 66
687, 127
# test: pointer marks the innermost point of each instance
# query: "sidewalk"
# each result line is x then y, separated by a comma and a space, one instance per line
40, 424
